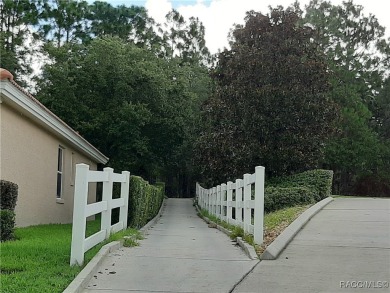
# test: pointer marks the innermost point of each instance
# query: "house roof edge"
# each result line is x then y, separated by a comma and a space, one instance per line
20, 98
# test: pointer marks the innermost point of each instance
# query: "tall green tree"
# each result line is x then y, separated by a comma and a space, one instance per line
270, 106
131, 24
136, 108
174, 33
352, 41
185, 39
64, 21
195, 49
358, 55
16, 19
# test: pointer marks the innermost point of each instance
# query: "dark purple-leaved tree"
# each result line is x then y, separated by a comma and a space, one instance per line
270, 105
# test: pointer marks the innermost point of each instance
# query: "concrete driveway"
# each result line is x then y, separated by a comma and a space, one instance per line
344, 248
180, 254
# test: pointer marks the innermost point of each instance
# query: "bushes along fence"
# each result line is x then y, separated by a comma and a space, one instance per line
302, 188
135, 209
144, 201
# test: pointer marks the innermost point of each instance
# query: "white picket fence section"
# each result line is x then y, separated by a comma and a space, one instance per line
82, 210
248, 206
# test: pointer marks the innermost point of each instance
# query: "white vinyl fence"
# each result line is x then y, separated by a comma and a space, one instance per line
237, 203
82, 210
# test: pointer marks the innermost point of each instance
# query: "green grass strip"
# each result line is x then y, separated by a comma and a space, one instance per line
272, 220
38, 261
286, 215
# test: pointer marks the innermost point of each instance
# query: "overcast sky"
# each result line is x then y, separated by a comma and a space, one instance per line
218, 16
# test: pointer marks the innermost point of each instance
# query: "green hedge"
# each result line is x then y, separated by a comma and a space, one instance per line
8, 198
319, 181
144, 201
277, 198
302, 188
8, 195
7, 224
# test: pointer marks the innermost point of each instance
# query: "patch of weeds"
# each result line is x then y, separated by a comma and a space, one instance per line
130, 242
248, 238
132, 237
237, 232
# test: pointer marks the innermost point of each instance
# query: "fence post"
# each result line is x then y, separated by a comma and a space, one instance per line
79, 221
219, 205
210, 204
197, 198
229, 198
125, 195
214, 201
201, 197
107, 196
239, 202
247, 198
208, 200
223, 201
259, 205
204, 196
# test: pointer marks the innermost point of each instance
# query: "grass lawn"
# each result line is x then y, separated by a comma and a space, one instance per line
38, 261
274, 224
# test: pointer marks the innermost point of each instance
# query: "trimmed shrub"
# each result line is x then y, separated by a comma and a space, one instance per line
144, 201
8, 195
8, 198
319, 181
276, 198
7, 224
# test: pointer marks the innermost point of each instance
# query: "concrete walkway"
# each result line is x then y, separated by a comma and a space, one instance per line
344, 248
180, 254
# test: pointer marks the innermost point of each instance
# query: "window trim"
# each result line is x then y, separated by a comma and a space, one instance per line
60, 174
72, 169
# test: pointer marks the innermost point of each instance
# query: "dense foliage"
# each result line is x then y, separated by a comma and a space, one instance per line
301, 188
8, 198
7, 225
358, 56
138, 109
270, 106
319, 181
8, 195
299, 89
144, 201
277, 198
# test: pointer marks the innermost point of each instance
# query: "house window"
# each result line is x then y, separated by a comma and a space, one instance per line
59, 171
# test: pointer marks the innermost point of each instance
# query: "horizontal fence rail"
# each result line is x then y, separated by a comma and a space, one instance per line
237, 203
82, 210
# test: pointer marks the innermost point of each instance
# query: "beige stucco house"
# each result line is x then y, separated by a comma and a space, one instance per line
38, 151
